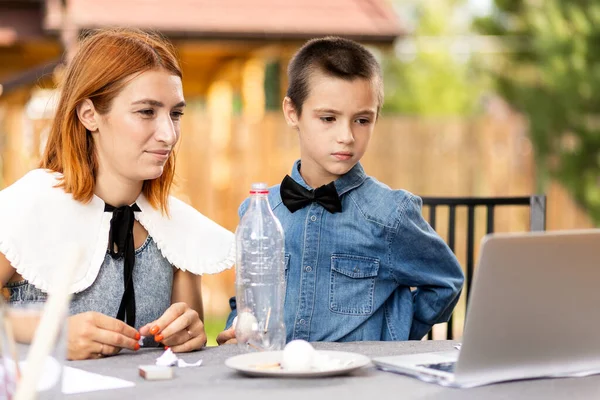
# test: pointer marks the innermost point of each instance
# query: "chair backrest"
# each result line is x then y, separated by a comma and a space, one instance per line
537, 222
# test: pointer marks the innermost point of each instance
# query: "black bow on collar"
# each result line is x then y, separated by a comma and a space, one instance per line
120, 244
295, 196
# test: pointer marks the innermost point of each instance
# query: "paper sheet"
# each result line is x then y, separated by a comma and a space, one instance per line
79, 381
74, 380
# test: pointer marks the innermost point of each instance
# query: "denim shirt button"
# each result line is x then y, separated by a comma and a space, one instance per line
313, 218
308, 268
301, 322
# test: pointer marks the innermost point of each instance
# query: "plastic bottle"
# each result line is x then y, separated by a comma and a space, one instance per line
260, 275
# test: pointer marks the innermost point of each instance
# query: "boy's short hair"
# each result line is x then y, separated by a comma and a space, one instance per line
336, 57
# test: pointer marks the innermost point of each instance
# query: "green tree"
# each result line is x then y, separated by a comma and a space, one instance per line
432, 76
553, 76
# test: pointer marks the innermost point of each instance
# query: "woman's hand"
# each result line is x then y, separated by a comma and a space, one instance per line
93, 335
179, 327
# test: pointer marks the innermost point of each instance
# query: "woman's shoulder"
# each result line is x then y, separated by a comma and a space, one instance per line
38, 223
34, 183
187, 238
39, 194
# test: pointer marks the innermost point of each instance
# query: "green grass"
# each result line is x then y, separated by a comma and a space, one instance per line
213, 325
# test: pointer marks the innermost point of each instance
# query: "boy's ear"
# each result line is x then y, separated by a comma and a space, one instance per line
86, 112
289, 112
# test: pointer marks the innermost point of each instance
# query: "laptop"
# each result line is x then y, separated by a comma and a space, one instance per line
534, 312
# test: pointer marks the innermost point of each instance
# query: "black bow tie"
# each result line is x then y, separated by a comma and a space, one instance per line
120, 244
295, 196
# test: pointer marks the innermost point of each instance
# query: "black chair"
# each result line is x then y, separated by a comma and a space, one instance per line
537, 222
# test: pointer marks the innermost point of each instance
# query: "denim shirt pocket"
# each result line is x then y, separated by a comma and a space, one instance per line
352, 284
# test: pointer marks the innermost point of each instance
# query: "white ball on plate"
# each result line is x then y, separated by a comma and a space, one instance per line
298, 356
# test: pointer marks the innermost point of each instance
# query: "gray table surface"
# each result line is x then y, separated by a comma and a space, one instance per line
213, 380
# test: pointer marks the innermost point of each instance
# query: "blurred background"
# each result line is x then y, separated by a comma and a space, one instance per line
483, 98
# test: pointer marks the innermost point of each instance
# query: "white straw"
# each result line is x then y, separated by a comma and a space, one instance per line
51, 322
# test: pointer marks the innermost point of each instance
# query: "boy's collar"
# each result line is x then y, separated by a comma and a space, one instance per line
350, 180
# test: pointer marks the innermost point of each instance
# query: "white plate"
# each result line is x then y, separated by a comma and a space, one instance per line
247, 364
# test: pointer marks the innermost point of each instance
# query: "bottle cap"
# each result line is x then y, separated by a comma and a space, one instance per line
259, 188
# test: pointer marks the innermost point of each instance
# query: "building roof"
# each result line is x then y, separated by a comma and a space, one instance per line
19, 21
367, 20
30, 45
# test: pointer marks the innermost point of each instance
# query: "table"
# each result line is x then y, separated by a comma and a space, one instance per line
213, 380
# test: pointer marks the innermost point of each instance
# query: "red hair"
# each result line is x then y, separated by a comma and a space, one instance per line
99, 71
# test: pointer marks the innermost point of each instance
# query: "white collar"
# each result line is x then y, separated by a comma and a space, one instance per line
38, 221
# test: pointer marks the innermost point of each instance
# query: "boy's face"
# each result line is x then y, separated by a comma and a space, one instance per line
335, 127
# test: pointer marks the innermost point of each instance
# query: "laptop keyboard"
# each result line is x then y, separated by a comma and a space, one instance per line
443, 366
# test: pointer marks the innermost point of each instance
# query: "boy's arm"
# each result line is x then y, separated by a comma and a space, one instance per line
422, 259
232, 314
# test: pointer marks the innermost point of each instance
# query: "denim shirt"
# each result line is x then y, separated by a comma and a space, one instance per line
349, 275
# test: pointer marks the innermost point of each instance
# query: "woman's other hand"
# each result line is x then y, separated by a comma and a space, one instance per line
179, 327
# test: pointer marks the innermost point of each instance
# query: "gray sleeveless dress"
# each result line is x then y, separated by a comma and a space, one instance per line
152, 281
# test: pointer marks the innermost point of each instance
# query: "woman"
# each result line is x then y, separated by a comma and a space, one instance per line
104, 185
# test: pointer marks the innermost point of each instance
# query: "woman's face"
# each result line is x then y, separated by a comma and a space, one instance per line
135, 138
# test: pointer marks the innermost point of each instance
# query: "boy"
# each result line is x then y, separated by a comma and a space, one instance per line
354, 247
